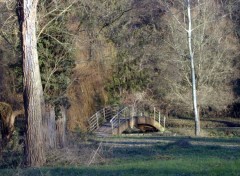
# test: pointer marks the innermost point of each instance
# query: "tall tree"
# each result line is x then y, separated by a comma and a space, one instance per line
35, 155
191, 56
199, 37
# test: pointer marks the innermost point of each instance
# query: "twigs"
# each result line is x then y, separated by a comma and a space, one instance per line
95, 153
46, 25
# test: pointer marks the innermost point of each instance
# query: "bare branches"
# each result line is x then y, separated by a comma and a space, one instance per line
57, 16
115, 19
213, 46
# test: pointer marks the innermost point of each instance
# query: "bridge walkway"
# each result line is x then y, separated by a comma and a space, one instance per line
108, 122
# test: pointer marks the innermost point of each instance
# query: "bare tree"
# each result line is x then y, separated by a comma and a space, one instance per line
191, 54
35, 155
200, 39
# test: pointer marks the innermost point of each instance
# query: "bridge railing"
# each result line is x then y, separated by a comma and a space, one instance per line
134, 112
117, 115
121, 115
152, 112
100, 117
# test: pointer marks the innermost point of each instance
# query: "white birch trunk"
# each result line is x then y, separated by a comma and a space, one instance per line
194, 92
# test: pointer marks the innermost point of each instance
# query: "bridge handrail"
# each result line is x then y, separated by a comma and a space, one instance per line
97, 119
155, 114
110, 114
133, 112
115, 119
93, 121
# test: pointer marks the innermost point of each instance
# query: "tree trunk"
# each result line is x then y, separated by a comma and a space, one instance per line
194, 93
61, 129
35, 155
49, 127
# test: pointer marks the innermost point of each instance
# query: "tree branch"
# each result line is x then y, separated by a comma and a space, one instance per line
46, 25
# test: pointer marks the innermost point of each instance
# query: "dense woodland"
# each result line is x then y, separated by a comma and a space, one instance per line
99, 53
61, 61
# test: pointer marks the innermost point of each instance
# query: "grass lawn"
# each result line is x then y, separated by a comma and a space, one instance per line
134, 156
196, 166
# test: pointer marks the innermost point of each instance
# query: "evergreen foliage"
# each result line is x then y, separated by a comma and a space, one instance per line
56, 63
55, 53
127, 78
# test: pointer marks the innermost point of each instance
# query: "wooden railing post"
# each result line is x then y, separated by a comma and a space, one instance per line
131, 111
97, 120
118, 124
112, 126
104, 114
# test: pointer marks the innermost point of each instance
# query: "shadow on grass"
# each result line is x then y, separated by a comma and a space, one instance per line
177, 148
175, 138
132, 142
226, 123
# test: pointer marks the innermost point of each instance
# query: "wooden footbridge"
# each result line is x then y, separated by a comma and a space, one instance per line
114, 121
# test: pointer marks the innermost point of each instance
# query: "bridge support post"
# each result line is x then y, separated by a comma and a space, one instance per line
104, 114
131, 122
112, 127
118, 124
97, 120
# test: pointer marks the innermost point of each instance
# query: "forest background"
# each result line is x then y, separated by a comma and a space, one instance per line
99, 53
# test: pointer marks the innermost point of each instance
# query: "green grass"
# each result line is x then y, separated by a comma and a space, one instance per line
179, 166
178, 157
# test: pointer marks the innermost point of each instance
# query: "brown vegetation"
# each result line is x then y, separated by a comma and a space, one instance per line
87, 91
7, 116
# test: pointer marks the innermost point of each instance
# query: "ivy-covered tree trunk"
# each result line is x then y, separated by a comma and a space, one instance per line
35, 155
